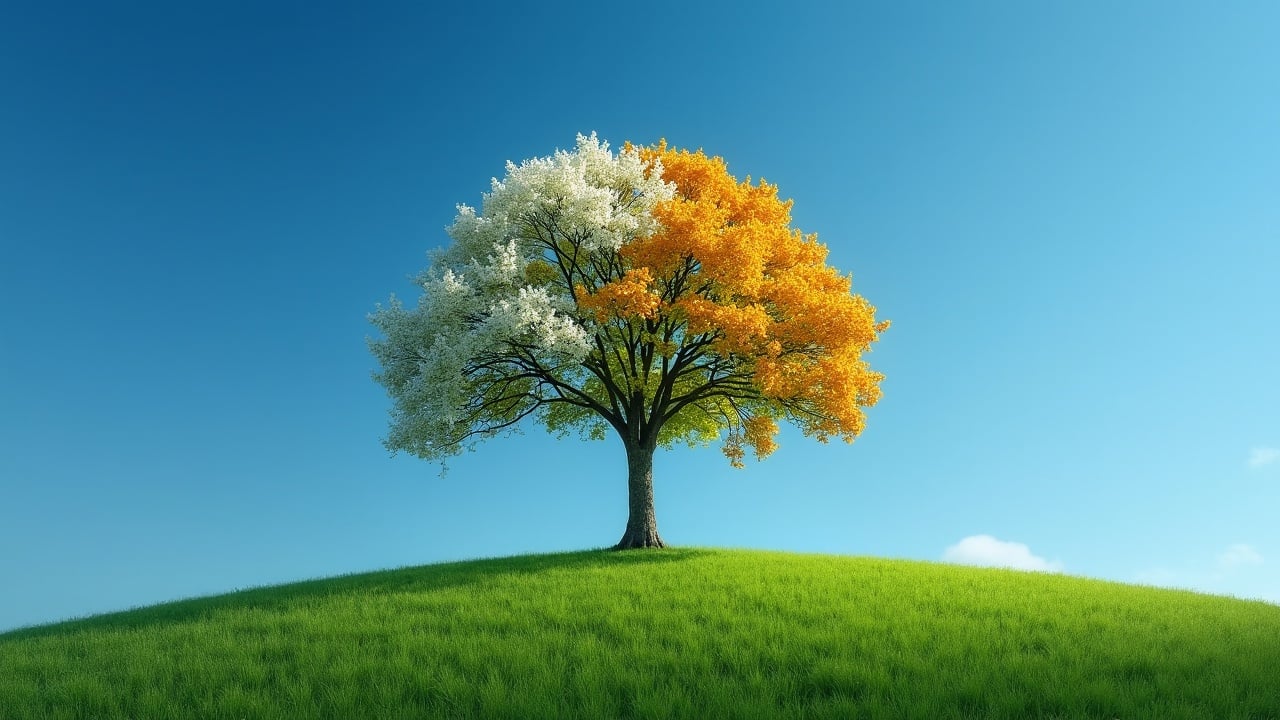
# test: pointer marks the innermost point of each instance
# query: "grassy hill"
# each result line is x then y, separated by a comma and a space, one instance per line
682, 633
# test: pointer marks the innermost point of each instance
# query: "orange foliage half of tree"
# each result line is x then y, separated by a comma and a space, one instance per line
726, 277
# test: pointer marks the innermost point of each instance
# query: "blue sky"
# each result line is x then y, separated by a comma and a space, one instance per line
1068, 210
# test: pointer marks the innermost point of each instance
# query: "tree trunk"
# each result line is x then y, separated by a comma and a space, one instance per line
642, 523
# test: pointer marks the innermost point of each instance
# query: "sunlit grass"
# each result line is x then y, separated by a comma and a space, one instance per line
682, 633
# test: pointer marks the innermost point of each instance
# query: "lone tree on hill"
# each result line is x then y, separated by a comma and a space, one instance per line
646, 291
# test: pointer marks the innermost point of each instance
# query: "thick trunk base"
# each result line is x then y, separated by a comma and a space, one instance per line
640, 538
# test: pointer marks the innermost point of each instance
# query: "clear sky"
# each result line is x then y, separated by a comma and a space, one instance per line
1068, 210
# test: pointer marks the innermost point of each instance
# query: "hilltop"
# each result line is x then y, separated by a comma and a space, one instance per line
677, 633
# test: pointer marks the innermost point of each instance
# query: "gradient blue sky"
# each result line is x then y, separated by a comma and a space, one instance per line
1068, 210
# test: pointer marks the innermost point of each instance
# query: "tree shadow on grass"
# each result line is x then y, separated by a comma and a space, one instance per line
424, 578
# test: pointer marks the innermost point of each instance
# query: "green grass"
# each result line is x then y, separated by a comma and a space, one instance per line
682, 633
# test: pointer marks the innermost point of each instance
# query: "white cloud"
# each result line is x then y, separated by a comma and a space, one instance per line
986, 550
1260, 456
1235, 571
1239, 555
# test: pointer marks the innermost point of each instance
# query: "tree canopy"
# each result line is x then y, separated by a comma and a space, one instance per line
646, 291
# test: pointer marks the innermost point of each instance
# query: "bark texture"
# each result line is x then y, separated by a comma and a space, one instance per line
642, 523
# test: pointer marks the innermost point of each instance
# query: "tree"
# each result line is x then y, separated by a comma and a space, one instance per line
646, 292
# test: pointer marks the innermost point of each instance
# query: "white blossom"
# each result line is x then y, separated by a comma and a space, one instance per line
478, 305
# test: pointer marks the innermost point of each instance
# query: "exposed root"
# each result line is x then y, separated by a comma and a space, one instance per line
636, 540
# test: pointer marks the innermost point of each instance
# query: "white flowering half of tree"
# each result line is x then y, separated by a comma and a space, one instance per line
594, 290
